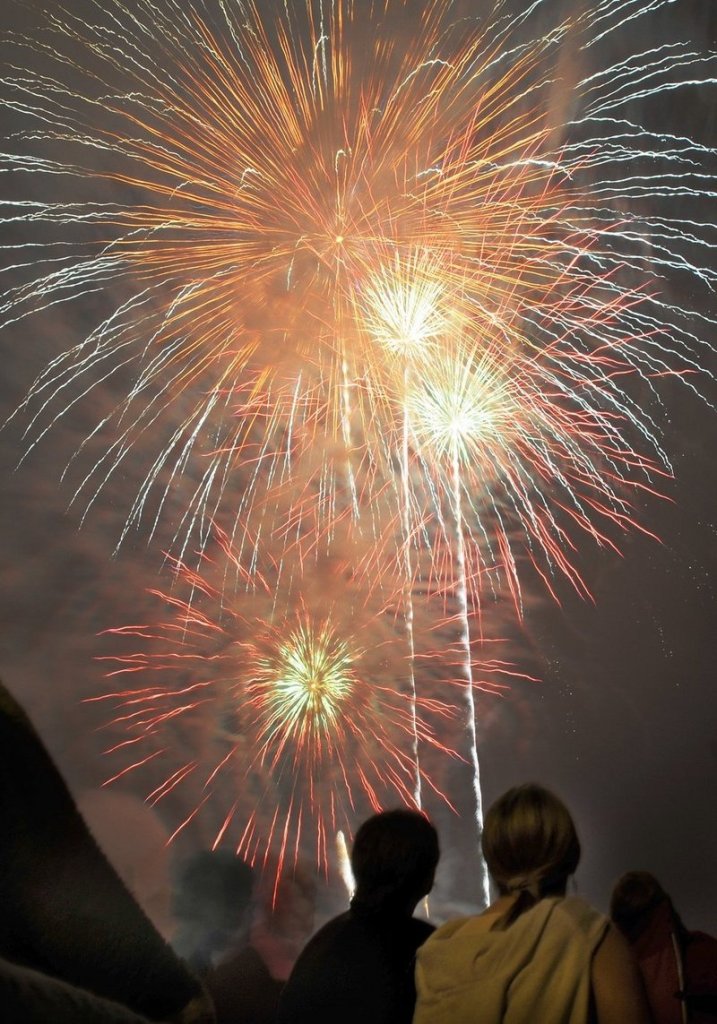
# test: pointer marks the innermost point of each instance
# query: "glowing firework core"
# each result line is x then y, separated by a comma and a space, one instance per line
466, 407
306, 681
403, 310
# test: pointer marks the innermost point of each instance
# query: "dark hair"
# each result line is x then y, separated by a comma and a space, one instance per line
394, 858
213, 889
530, 845
634, 899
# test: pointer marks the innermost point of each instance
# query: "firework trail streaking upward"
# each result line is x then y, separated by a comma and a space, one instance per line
468, 407
345, 871
309, 230
403, 313
464, 612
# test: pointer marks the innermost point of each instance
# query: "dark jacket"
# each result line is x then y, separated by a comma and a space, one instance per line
243, 990
358, 969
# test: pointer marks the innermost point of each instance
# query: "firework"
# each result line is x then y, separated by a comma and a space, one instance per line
300, 688
256, 174
407, 295
403, 313
347, 875
293, 728
496, 420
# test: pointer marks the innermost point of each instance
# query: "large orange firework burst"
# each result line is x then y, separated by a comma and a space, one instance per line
257, 174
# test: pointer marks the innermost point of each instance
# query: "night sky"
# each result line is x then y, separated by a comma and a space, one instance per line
623, 722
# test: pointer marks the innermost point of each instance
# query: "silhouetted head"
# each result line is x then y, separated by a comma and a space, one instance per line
394, 860
635, 898
530, 843
214, 891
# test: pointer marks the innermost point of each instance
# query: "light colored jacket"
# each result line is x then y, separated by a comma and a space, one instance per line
537, 971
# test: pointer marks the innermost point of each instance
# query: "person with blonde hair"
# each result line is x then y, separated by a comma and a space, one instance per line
535, 955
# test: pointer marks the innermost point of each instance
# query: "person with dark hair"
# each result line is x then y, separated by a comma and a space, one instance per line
359, 967
66, 914
535, 955
678, 967
213, 905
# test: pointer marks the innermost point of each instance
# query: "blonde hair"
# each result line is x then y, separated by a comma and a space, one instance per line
530, 844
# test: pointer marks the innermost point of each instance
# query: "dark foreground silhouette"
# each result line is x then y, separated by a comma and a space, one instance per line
65, 912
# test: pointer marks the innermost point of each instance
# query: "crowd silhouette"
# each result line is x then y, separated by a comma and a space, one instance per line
76, 947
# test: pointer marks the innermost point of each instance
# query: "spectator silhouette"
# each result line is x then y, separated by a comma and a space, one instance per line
678, 967
65, 912
359, 967
534, 955
29, 997
213, 906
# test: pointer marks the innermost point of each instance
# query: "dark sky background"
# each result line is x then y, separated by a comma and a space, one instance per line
623, 723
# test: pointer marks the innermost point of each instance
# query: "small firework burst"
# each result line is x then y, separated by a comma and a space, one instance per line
301, 687
405, 306
294, 729
468, 409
